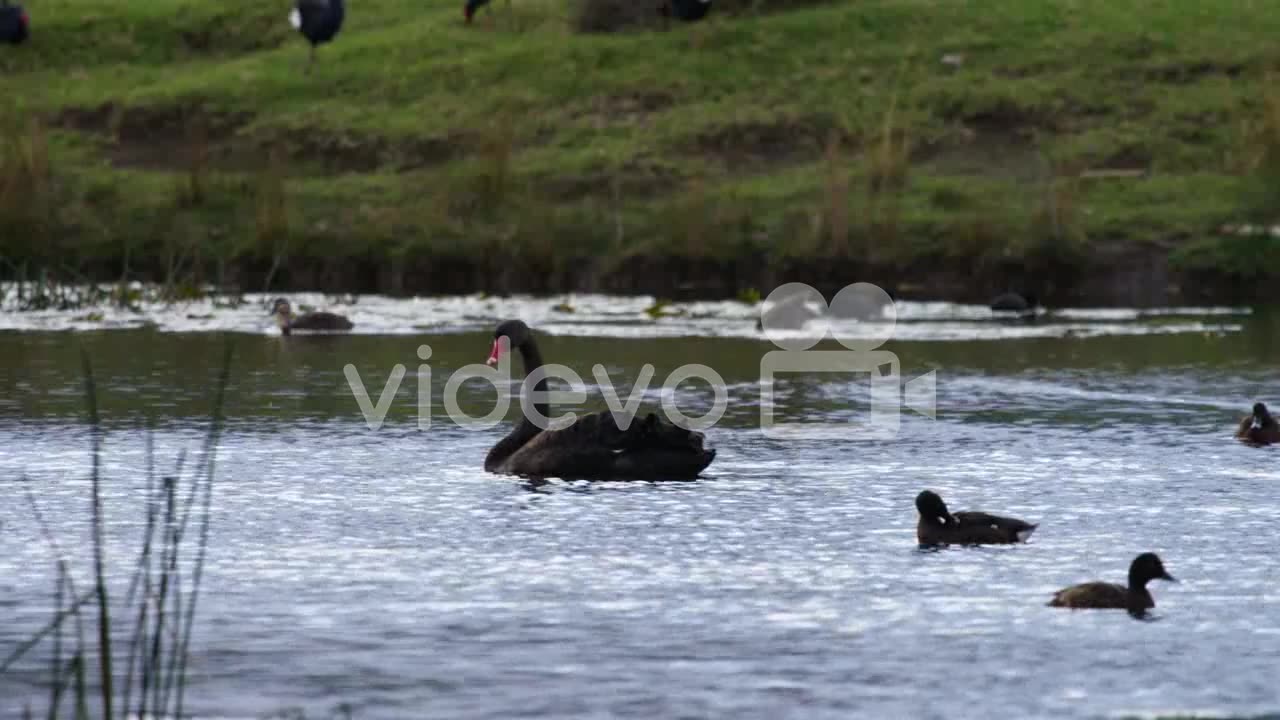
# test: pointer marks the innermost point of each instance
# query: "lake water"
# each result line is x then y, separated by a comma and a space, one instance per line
384, 570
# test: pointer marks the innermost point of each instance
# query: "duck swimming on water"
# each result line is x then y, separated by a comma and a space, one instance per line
939, 526
312, 321
593, 447
1099, 595
1259, 428
1012, 304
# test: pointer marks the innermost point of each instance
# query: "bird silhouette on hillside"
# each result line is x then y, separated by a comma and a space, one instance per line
318, 21
14, 23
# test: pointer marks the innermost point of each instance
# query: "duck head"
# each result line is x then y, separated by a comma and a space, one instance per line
1145, 568
931, 507
516, 333
1261, 416
282, 311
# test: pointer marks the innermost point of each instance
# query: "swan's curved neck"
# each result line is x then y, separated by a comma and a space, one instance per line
524, 430
532, 360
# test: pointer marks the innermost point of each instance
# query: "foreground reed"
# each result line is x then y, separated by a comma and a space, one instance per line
159, 607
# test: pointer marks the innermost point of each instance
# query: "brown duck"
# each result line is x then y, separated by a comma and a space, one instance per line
1259, 428
311, 322
939, 526
594, 447
1103, 595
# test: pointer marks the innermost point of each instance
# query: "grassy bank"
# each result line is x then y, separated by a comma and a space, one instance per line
1083, 149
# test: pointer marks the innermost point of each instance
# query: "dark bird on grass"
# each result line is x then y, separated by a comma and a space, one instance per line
318, 21
939, 526
1259, 428
1110, 596
686, 10
1011, 303
592, 447
312, 321
471, 7
14, 23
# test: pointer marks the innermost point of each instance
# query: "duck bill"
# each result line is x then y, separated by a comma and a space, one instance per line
495, 353
1169, 578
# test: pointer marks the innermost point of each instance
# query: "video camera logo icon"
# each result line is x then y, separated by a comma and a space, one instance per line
795, 317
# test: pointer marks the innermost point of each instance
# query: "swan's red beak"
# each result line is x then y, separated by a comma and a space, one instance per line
495, 353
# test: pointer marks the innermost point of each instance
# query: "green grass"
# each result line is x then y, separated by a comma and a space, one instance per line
417, 140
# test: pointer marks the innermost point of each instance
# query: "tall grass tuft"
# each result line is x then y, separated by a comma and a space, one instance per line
193, 185
1056, 235
271, 219
497, 147
835, 221
1261, 157
888, 163
159, 606
26, 191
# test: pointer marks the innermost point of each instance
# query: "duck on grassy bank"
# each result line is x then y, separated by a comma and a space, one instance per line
312, 321
1259, 428
939, 526
14, 23
593, 447
319, 22
1100, 595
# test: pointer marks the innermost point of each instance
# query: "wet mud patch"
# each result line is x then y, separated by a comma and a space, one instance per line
176, 138
762, 145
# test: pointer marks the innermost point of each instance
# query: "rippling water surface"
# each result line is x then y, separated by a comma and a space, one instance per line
383, 569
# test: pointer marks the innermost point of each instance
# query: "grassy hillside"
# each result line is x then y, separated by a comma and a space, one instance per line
999, 141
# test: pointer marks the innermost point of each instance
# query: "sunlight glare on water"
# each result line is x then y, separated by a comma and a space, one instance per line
385, 570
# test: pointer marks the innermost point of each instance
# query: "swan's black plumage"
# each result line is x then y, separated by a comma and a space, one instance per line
14, 24
594, 447
319, 21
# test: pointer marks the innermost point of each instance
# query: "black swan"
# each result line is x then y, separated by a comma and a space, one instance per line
323, 321
593, 447
1109, 596
939, 526
318, 21
14, 24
